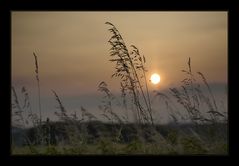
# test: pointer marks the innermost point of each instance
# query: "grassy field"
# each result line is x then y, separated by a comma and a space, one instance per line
203, 133
121, 149
166, 140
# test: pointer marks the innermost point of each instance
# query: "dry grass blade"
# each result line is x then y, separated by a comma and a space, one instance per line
87, 114
19, 112
38, 85
36, 65
189, 65
209, 89
63, 113
128, 68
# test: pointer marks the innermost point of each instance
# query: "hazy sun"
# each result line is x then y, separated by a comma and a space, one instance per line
155, 78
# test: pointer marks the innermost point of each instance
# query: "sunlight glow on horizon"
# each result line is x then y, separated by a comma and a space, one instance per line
78, 41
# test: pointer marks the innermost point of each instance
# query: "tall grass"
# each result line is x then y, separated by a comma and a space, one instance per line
23, 117
142, 136
131, 71
199, 104
38, 86
192, 97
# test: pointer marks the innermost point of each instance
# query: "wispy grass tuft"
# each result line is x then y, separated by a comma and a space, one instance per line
38, 86
192, 96
131, 71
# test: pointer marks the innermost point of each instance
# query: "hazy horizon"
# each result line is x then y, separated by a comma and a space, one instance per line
73, 52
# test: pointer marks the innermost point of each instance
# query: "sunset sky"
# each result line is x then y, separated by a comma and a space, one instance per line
73, 51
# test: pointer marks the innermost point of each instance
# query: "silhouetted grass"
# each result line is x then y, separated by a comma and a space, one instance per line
130, 69
204, 133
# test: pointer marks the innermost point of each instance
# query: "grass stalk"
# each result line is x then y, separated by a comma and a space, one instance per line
38, 86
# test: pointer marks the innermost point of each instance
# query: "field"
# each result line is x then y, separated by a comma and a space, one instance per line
100, 138
199, 127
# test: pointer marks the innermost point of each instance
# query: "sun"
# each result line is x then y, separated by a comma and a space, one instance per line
155, 78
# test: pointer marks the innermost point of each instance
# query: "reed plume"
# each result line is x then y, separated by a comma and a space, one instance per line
38, 85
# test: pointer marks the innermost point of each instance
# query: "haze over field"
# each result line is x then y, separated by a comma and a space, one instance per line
73, 52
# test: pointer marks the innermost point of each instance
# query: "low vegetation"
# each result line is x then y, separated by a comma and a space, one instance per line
199, 128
